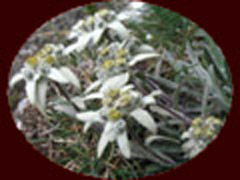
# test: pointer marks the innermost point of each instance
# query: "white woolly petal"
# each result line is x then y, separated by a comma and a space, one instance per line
126, 88
150, 139
79, 101
106, 137
78, 25
86, 126
156, 92
56, 75
15, 79
30, 89
89, 116
41, 94
145, 119
93, 86
120, 29
79, 45
94, 96
146, 100
188, 145
97, 34
68, 74
146, 49
65, 108
123, 144
142, 57
115, 82
186, 135
160, 111
83, 41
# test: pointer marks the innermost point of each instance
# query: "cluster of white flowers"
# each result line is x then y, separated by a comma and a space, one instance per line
200, 133
40, 68
117, 51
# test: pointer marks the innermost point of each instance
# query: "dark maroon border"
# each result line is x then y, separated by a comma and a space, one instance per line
20, 18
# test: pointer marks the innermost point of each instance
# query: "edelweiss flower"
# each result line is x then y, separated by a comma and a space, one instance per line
119, 103
117, 58
89, 31
200, 133
37, 70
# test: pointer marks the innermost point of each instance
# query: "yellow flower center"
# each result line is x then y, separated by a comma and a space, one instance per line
107, 101
107, 64
197, 132
197, 121
125, 99
112, 93
90, 21
120, 61
114, 114
121, 52
32, 61
214, 121
49, 59
104, 51
103, 12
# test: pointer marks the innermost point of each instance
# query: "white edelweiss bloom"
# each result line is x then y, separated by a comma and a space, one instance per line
116, 82
114, 131
35, 76
30, 77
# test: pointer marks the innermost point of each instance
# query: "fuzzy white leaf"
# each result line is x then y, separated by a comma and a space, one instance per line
41, 94
188, 145
127, 88
57, 76
66, 109
79, 45
145, 119
142, 57
86, 126
156, 92
94, 96
147, 100
186, 135
93, 86
123, 144
120, 29
79, 101
15, 79
30, 89
97, 34
83, 42
150, 139
160, 111
115, 82
68, 74
146, 49
93, 116
106, 136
